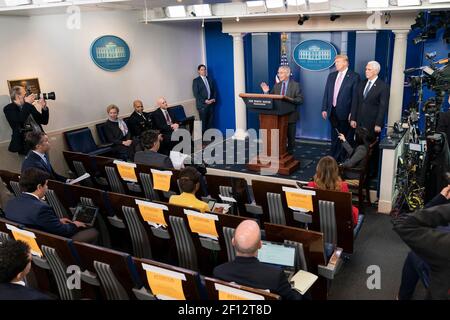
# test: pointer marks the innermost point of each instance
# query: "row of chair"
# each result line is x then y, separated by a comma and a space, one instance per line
332, 212
73, 270
82, 140
121, 224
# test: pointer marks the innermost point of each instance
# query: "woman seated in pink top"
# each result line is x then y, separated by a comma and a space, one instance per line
327, 178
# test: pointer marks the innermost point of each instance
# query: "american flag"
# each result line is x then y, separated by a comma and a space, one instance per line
283, 62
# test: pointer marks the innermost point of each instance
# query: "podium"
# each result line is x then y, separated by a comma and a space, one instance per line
273, 113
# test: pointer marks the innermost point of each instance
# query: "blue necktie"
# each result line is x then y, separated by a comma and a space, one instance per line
367, 89
47, 163
205, 80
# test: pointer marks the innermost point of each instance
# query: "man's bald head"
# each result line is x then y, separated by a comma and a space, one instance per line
161, 103
138, 106
247, 238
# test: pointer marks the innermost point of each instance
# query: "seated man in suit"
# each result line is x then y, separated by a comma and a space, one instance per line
151, 141
164, 123
15, 264
28, 209
37, 156
246, 268
139, 120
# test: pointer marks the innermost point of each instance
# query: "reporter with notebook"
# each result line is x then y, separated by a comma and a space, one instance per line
29, 209
247, 270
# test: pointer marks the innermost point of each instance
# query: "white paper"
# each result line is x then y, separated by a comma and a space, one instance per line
80, 178
178, 159
229, 199
226, 207
303, 280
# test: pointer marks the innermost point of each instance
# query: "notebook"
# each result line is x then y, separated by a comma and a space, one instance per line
303, 280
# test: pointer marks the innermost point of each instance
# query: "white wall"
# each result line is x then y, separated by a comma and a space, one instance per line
163, 62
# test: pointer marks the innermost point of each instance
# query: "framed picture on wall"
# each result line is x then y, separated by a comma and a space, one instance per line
31, 85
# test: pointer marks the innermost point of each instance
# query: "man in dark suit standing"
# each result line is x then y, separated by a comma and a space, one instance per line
17, 114
204, 90
246, 268
37, 156
15, 264
291, 89
139, 120
369, 108
165, 124
340, 91
371, 103
150, 156
28, 209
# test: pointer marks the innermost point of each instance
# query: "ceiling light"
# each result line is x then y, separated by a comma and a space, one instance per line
256, 7
319, 4
405, 3
274, 4
439, 1
296, 5
377, 3
13, 3
176, 12
202, 10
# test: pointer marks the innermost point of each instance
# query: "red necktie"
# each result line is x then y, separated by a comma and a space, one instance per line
283, 89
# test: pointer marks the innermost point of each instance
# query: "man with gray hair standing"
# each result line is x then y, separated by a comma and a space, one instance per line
371, 103
247, 270
289, 88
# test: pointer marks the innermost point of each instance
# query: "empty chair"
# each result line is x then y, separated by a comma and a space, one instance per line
111, 270
81, 140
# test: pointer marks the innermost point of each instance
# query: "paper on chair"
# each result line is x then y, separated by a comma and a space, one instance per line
178, 159
229, 199
80, 178
303, 280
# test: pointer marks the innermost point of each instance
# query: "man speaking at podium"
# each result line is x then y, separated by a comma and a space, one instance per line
289, 88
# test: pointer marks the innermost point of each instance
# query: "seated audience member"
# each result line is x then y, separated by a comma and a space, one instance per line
189, 181
355, 156
246, 269
5, 196
151, 141
117, 133
327, 178
37, 156
139, 120
415, 267
15, 264
28, 209
164, 123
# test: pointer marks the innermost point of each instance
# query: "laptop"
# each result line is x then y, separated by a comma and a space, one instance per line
278, 254
86, 214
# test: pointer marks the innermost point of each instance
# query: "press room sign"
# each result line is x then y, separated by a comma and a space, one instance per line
110, 53
314, 55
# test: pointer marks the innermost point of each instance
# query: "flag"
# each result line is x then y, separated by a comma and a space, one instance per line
283, 62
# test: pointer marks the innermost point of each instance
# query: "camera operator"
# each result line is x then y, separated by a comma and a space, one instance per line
17, 113
427, 233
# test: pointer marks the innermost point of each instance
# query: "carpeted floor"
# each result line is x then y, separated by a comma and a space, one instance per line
377, 244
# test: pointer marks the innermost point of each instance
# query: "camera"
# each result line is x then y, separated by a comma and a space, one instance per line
45, 96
